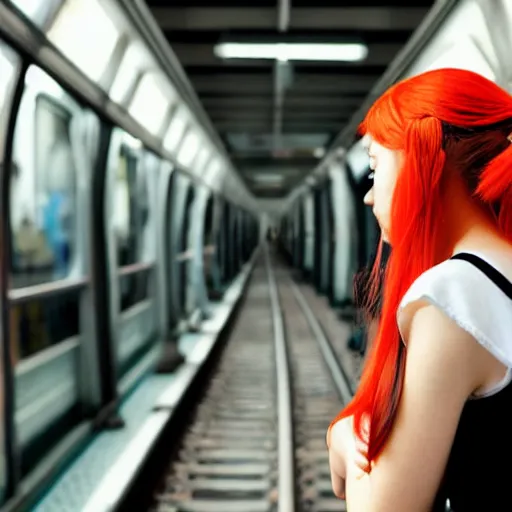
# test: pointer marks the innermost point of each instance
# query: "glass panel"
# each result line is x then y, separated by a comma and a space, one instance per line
188, 149
82, 21
134, 288
174, 135
131, 216
41, 323
46, 246
212, 173
209, 246
43, 196
202, 161
131, 209
173, 249
150, 104
29, 7
186, 265
134, 58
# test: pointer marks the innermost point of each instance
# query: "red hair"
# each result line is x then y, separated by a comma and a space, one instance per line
446, 118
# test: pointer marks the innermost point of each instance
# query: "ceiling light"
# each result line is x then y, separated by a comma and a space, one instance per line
293, 51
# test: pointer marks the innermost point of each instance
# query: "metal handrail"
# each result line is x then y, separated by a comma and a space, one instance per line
184, 256
39, 291
135, 268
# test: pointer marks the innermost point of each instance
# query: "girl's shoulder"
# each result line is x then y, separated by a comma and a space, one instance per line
478, 300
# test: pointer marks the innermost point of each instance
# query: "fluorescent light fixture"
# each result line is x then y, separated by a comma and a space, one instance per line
293, 51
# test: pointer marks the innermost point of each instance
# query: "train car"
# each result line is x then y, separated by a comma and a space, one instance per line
123, 225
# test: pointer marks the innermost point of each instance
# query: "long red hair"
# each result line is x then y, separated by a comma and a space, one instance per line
446, 118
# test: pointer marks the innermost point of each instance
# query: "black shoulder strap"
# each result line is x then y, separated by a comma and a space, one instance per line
494, 275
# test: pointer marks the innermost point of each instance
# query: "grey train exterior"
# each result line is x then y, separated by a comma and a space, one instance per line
117, 231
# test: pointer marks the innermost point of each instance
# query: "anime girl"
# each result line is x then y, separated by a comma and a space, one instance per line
429, 421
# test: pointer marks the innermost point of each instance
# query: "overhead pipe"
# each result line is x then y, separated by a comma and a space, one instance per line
280, 71
283, 21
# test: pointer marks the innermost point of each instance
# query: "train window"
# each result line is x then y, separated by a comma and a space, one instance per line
43, 202
212, 172
131, 233
47, 266
134, 58
187, 248
43, 217
150, 104
134, 289
209, 244
38, 323
202, 161
131, 207
30, 7
130, 218
188, 149
176, 130
85, 20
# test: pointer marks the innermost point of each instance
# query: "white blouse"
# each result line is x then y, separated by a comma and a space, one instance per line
473, 301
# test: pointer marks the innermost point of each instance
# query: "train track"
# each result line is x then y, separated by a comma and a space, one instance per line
256, 442
318, 397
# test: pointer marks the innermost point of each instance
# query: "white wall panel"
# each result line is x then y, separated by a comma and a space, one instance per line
309, 235
463, 42
345, 233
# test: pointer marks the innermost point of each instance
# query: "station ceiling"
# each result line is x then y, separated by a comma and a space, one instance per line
277, 116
